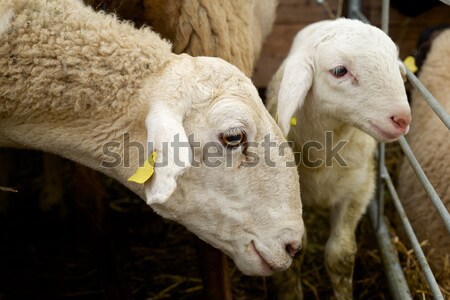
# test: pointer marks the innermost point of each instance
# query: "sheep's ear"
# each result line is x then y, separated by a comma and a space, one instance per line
166, 136
295, 84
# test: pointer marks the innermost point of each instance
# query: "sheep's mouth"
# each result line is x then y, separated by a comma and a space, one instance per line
267, 269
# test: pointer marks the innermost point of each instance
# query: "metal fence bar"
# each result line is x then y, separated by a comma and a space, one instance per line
394, 273
381, 147
354, 7
359, 15
428, 97
429, 277
380, 185
434, 197
385, 16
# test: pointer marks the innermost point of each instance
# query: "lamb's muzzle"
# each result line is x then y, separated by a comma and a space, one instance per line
402, 122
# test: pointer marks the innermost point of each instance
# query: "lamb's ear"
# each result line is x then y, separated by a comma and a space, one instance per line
296, 81
166, 136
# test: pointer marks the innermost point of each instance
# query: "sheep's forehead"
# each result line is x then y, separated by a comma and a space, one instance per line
354, 37
246, 110
357, 44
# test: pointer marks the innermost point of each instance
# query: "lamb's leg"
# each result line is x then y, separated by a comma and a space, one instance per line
340, 249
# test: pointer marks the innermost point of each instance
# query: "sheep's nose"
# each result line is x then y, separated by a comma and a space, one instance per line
293, 248
401, 121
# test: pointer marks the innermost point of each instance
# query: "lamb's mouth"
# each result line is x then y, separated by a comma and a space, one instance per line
267, 268
383, 133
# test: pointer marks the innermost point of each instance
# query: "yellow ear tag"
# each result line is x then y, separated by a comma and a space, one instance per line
410, 63
146, 171
293, 121
276, 118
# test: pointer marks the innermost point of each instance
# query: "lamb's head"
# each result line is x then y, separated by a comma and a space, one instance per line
351, 70
222, 179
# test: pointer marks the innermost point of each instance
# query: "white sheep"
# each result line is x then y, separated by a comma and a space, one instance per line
430, 141
73, 82
232, 30
343, 84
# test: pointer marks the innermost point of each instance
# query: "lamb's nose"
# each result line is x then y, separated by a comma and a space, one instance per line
401, 121
293, 248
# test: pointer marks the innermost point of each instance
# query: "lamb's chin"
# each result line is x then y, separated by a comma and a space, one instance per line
382, 135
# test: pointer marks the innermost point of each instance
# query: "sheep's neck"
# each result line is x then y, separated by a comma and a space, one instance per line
70, 82
312, 126
108, 144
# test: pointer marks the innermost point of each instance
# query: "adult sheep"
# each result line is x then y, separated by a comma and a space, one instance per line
343, 84
233, 30
74, 81
430, 141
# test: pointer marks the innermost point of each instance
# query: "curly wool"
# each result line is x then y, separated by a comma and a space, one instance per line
56, 59
233, 30
430, 141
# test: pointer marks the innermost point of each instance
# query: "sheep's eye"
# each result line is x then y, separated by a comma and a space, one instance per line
233, 138
338, 71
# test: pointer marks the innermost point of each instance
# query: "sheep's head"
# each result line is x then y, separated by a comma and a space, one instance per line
353, 70
221, 178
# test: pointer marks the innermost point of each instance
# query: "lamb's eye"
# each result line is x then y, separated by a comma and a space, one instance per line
232, 138
338, 71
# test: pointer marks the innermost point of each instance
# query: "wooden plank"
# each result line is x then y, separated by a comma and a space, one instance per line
302, 11
274, 51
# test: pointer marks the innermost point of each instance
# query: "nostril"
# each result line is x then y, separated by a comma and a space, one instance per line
292, 248
400, 122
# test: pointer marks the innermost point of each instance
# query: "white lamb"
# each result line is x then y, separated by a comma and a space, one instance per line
73, 81
343, 84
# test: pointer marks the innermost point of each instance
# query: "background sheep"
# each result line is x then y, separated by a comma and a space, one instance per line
342, 82
430, 141
70, 75
233, 30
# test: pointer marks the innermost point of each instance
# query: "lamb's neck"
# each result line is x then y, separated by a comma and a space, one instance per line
321, 137
313, 125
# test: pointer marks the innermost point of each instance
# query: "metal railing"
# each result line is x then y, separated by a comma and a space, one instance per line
394, 273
